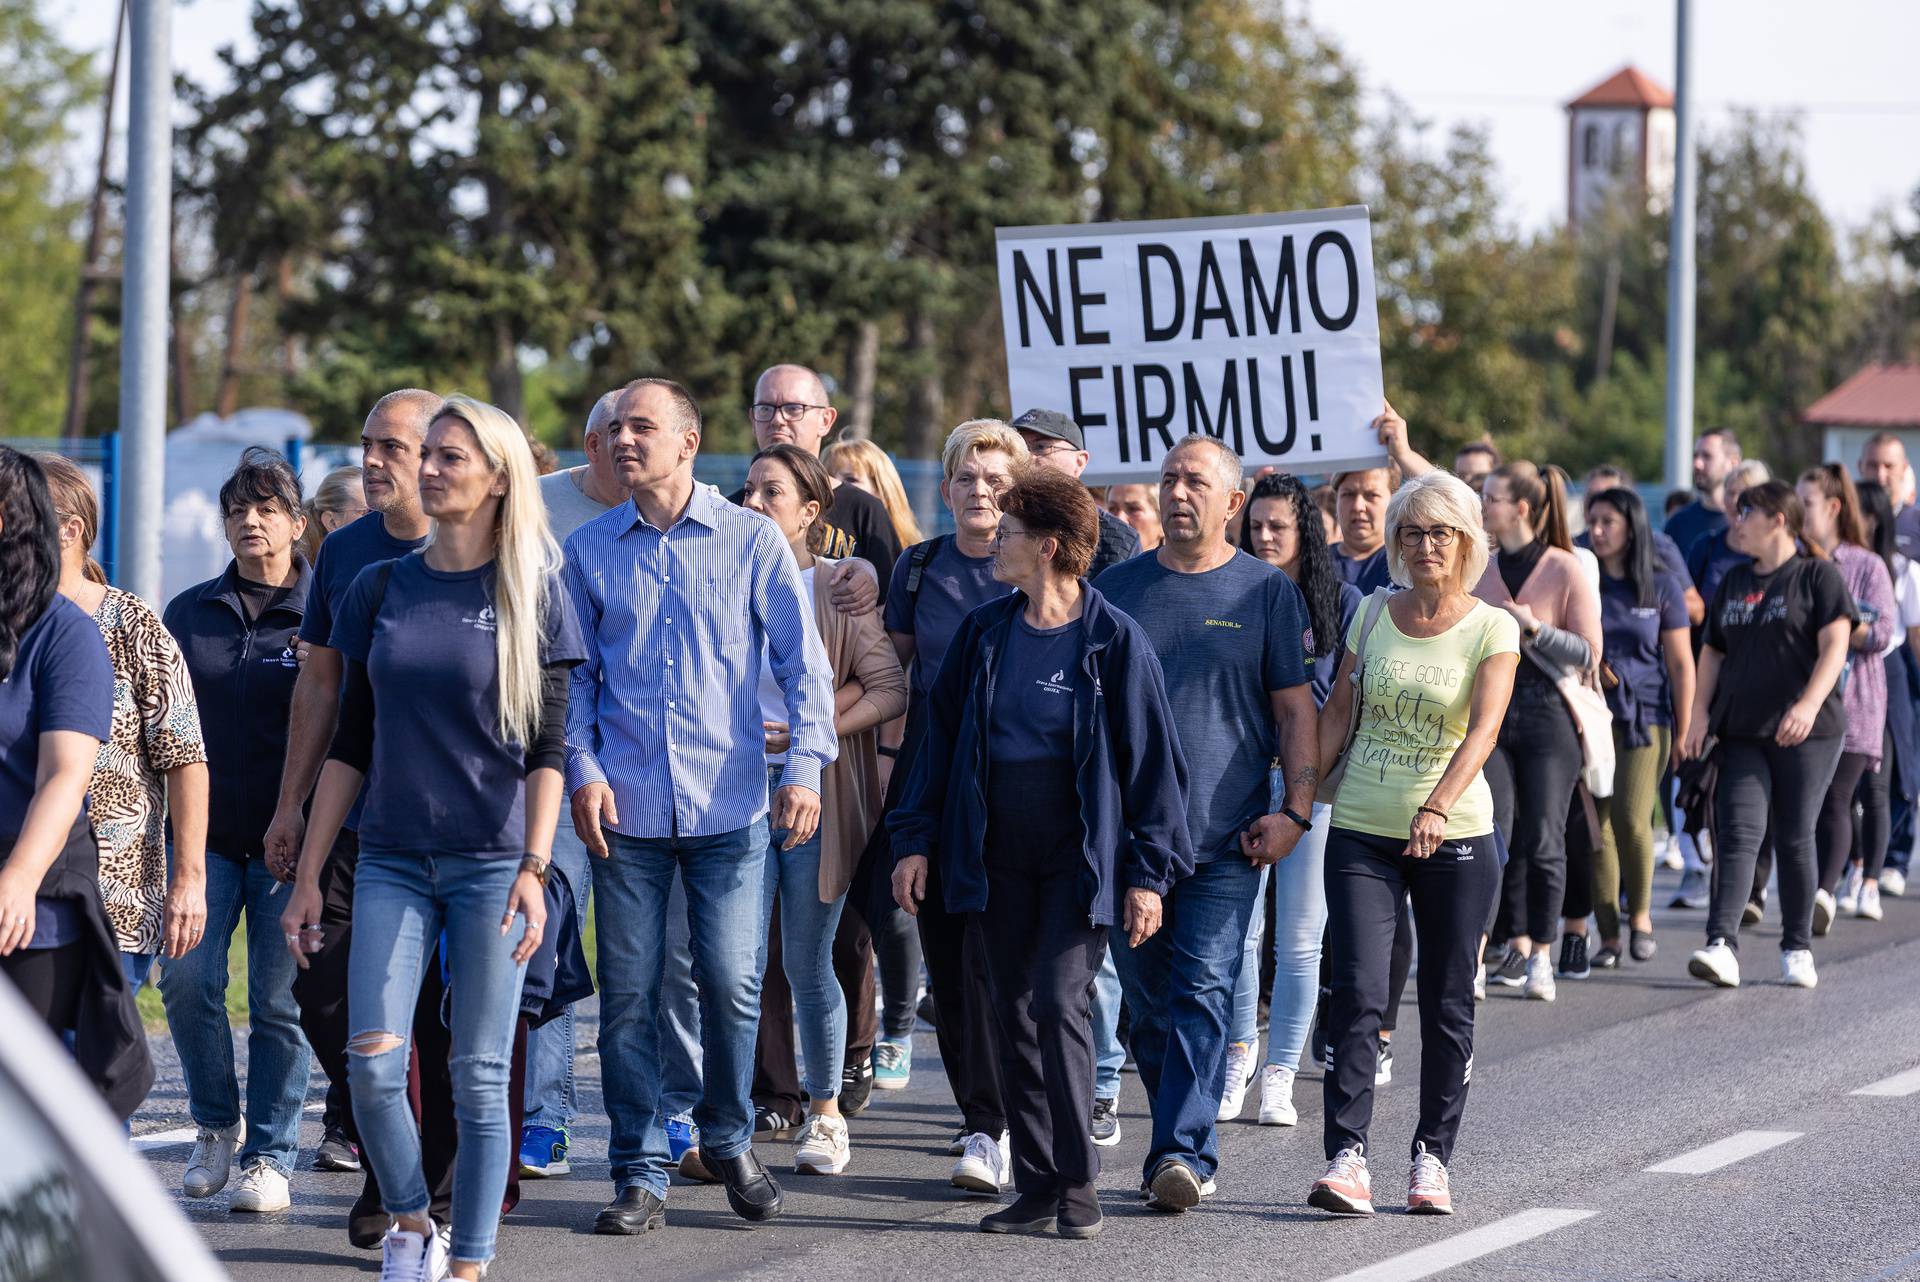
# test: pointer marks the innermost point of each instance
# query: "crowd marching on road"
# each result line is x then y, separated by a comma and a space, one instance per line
1087, 780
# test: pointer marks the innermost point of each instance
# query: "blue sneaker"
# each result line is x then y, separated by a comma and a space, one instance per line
892, 1064
543, 1152
682, 1135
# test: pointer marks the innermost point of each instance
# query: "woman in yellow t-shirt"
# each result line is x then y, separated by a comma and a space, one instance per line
1413, 816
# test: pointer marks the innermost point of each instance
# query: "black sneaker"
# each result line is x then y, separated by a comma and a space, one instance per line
772, 1124
856, 1085
1512, 970
1105, 1127
1573, 957
336, 1152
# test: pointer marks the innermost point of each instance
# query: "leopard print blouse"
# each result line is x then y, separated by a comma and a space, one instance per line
156, 727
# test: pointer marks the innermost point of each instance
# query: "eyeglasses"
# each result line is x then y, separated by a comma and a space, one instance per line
1041, 451
763, 412
1002, 532
1441, 536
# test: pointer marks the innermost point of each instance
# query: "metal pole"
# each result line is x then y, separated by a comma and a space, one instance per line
1680, 275
143, 343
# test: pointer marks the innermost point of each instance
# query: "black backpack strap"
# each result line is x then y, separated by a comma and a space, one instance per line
917, 557
381, 574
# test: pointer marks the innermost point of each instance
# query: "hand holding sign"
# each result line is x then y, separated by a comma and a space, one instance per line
1260, 330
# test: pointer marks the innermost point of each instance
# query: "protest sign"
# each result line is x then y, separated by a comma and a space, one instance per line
1259, 329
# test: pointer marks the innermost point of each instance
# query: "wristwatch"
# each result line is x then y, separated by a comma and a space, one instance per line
1305, 825
540, 868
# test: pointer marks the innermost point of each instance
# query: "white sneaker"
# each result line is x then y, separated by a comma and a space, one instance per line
1823, 908
1869, 905
985, 1164
412, 1257
1240, 1068
1847, 902
261, 1188
1276, 1097
1796, 968
823, 1148
1893, 882
212, 1159
1717, 964
1540, 986
1670, 857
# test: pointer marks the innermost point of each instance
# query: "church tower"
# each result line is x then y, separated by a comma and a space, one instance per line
1620, 136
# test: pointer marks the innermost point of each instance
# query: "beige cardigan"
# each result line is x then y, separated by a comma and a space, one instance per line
850, 792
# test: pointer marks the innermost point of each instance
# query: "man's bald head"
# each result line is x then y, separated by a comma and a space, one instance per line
410, 408
791, 385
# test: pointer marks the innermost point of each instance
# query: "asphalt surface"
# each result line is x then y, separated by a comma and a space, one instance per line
1571, 1103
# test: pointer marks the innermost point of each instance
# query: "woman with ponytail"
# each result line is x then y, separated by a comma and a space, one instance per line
454, 710
1536, 578
56, 709
155, 762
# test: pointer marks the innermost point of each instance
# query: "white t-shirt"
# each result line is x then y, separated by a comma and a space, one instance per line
773, 703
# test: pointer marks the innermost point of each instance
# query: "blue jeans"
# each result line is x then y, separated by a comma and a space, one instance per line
724, 876
806, 951
680, 1072
194, 989
1299, 926
1109, 1056
550, 1099
1245, 1025
137, 966
401, 904
1179, 987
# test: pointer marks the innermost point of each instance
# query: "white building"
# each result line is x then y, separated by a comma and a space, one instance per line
1620, 136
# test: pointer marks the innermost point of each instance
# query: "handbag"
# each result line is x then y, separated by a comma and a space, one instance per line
1592, 720
1338, 770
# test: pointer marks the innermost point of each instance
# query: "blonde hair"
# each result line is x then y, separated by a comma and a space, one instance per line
1437, 498
980, 436
867, 460
525, 561
332, 498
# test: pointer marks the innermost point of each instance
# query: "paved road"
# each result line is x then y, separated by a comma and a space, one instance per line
1572, 1104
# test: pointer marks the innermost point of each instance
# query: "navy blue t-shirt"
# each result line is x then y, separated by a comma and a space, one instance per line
441, 781
1226, 640
62, 679
1710, 560
1367, 573
1691, 524
1032, 713
952, 586
1631, 633
347, 551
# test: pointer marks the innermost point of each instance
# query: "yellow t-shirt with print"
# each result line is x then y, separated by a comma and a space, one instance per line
1415, 697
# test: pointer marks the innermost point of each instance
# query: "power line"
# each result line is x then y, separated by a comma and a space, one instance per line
1834, 108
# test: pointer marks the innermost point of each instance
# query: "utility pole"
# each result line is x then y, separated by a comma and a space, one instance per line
96, 232
1680, 275
145, 270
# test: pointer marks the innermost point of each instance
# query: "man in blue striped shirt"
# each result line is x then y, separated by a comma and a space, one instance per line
678, 593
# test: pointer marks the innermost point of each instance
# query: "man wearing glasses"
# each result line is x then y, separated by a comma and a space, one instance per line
1056, 441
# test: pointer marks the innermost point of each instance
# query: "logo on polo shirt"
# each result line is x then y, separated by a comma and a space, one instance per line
482, 622
1055, 684
1223, 623
286, 658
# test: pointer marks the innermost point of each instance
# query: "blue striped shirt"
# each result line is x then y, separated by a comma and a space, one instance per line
666, 709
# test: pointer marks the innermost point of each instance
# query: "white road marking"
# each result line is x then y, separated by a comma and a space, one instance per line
184, 1134
1899, 1084
1724, 1152
1471, 1245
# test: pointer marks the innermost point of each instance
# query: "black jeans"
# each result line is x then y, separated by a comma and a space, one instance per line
1833, 835
963, 1020
1367, 878
1761, 781
1876, 817
1532, 771
1042, 954
896, 952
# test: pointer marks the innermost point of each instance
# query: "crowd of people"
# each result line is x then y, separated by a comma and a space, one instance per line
1088, 779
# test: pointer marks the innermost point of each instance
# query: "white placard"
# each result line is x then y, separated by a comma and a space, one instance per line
1260, 329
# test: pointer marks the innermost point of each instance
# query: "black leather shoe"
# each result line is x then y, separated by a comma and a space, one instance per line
367, 1222
635, 1211
1031, 1213
750, 1187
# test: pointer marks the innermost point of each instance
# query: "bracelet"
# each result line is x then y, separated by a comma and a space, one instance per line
539, 867
1299, 821
1435, 811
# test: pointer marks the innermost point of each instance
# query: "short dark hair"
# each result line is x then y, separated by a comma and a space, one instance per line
262, 477
1482, 446
683, 402
811, 479
1054, 505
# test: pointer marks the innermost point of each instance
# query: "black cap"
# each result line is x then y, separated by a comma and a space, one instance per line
1051, 423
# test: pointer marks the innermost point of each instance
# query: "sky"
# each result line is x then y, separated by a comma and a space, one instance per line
1847, 66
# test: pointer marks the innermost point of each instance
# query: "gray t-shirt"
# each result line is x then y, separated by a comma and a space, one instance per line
568, 507
1226, 640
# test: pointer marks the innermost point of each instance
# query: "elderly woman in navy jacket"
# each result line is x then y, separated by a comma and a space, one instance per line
1052, 790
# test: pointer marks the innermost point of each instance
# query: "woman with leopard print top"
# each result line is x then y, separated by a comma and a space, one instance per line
155, 761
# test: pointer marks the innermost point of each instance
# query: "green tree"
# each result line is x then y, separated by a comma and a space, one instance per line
43, 85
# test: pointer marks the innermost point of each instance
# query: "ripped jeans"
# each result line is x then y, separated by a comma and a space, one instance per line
401, 903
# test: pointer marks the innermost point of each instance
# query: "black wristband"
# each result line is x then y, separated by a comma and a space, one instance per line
1304, 824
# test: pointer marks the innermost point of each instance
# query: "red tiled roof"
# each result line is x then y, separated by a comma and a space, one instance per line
1878, 396
1627, 87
